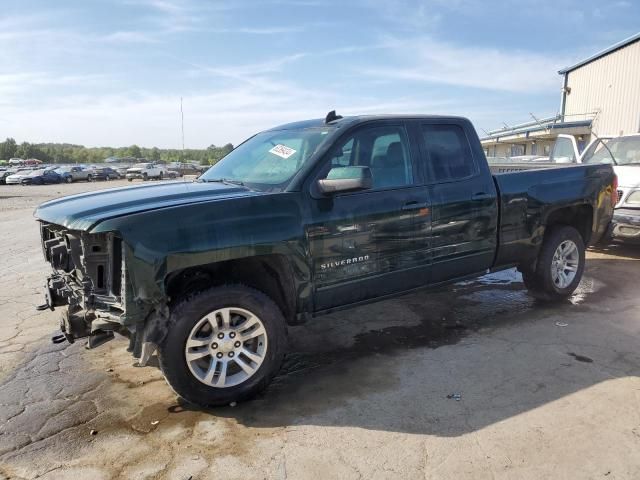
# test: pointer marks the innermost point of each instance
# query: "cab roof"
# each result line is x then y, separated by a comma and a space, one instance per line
356, 119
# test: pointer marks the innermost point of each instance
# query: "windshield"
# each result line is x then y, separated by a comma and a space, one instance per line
618, 151
268, 160
36, 173
140, 165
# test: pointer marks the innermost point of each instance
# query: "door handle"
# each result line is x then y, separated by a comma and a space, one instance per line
414, 205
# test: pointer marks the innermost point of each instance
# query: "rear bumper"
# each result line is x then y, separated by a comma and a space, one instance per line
625, 225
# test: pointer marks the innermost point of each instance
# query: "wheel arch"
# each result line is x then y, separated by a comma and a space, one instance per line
578, 216
271, 274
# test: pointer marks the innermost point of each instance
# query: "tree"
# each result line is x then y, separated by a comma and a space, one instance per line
155, 154
8, 149
134, 151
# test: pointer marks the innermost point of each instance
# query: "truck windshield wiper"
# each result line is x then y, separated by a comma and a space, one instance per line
224, 180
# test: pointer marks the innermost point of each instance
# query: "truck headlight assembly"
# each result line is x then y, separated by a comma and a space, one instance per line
634, 197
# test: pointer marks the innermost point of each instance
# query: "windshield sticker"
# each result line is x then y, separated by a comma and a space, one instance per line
282, 151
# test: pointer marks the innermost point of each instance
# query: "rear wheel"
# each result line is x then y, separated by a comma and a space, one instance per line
68, 179
160, 177
559, 267
145, 177
89, 178
225, 344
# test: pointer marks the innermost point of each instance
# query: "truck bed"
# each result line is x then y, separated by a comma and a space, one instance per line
527, 192
507, 167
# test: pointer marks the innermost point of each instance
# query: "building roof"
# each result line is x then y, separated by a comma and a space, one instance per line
606, 51
527, 129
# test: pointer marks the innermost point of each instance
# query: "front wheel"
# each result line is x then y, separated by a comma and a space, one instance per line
559, 267
68, 179
224, 344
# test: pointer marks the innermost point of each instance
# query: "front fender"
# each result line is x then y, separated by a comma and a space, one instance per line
168, 240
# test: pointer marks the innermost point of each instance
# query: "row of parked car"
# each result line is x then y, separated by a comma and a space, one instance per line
43, 175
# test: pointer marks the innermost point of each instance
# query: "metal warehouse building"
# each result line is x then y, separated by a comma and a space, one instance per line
600, 95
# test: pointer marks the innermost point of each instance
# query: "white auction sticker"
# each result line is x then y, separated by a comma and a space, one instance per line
282, 151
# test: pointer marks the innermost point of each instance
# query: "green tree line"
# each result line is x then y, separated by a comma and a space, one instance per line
69, 153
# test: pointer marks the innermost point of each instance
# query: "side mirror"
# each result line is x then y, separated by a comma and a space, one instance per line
346, 179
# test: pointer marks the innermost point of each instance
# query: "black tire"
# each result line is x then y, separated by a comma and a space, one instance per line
69, 179
130, 179
145, 177
160, 177
89, 178
540, 282
186, 314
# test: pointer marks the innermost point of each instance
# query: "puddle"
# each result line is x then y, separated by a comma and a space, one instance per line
503, 277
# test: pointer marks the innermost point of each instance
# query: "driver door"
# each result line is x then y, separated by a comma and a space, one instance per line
362, 243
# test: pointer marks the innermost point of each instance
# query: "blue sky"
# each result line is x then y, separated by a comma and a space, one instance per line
100, 72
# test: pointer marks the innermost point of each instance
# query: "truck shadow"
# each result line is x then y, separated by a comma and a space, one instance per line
487, 341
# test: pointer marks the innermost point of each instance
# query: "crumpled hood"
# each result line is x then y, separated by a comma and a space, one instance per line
84, 211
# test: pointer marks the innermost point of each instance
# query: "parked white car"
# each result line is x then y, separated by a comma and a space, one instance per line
145, 171
16, 178
624, 154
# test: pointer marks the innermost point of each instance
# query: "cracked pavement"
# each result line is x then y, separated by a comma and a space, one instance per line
545, 391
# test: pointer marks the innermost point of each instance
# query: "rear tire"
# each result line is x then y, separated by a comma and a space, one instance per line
68, 179
559, 267
201, 343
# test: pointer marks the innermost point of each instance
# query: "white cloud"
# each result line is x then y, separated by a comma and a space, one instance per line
129, 37
430, 61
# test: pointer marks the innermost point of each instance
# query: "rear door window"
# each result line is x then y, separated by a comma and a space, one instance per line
449, 155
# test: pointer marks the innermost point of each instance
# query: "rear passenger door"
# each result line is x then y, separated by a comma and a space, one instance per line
464, 209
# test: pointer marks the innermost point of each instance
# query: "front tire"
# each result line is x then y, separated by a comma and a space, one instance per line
224, 345
68, 179
559, 267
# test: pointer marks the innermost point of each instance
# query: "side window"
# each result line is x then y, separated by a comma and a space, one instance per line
385, 150
449, 153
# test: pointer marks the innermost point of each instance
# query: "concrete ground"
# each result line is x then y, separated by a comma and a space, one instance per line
544, 391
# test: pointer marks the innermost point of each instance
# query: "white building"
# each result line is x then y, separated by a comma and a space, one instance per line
600, 95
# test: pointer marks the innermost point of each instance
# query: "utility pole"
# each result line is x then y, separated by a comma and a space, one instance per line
182, 123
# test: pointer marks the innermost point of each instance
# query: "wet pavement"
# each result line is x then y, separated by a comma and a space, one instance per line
474, 381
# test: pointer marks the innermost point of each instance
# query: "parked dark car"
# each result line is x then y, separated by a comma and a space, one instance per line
302, 220
105, 173
42, 177
186, 168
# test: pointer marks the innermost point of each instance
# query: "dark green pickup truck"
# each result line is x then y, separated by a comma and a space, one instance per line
300, 220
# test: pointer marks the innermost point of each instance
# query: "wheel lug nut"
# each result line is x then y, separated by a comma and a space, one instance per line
230, 354
214, 345
237, 344
219, 354
221, 335
232, 335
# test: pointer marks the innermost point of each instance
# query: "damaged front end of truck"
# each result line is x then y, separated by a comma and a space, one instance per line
91, 286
